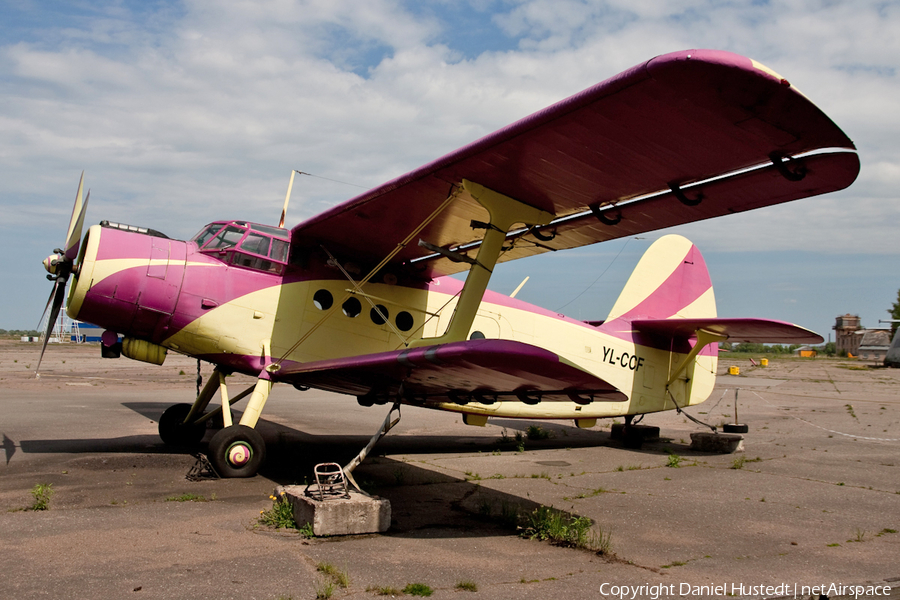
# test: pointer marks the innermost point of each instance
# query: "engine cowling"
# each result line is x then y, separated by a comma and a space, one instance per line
127, 281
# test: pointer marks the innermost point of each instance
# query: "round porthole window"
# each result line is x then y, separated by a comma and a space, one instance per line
323, 299
376, 314
352, 307
404, 321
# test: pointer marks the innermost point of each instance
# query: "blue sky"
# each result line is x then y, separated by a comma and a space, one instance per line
186, 112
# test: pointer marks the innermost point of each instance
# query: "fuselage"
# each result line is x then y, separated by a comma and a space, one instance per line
235, 297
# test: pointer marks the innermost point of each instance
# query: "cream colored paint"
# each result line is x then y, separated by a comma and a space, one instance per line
342, 336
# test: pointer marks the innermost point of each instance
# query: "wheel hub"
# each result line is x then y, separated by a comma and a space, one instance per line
239, 454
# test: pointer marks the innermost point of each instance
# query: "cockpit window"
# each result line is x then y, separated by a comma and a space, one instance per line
256, 243
226, 238
279, 250
207, 232
269, 229
246, 245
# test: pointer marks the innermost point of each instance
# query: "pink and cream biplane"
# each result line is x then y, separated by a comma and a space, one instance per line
357, 300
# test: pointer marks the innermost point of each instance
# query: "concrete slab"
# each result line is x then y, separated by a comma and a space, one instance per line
354, 515
644, 433
718, 443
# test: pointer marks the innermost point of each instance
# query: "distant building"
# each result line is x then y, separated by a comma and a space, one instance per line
874, 344
85, 332
846, 339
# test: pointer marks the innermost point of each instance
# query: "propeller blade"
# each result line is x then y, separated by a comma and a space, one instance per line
49, 301
76, 222
58, 296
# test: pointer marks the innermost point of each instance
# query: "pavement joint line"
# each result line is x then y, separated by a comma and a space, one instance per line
860, 437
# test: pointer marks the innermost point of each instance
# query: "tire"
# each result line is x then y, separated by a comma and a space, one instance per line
631, 439
174, 431
237, 451
735, 428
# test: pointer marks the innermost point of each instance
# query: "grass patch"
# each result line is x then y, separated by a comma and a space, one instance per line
467, 585
42, 492
187, 497
885, 531
417, 589
593, 493
385, 590
338, 577
674, 461
567, 530
281, 516
860, 535
325, 590
674, 563
536, 432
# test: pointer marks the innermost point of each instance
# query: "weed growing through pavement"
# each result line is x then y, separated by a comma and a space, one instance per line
536, 432
417, 589
324, 590
467, 585
674, 461
520, 442
565, 530
186, 497
384, 590
281, 515
42, 493
340, 578
860, 535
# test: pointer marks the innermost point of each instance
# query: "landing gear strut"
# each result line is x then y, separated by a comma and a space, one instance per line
235, 450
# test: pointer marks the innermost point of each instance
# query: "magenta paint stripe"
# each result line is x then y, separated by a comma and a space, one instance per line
451, 286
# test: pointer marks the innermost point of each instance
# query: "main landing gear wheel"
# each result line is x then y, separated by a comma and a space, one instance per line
237, 451
175, 432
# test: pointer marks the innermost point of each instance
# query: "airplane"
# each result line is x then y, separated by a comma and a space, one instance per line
359, 299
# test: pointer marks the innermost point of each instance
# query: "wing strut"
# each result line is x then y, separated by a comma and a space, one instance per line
704, 339
386, 426
504, 213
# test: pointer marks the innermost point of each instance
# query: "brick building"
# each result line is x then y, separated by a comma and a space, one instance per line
846, 338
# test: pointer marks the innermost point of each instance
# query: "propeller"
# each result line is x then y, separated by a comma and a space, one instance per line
61, 263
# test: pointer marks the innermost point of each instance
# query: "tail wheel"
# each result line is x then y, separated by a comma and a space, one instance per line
174, 431
237, 451
735, 428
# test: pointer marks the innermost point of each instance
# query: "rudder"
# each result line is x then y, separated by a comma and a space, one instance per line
671, 281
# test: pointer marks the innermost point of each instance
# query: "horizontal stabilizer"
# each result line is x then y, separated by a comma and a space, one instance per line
474, 370
736, 330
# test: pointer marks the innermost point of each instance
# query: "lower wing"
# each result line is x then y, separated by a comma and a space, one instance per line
481, 371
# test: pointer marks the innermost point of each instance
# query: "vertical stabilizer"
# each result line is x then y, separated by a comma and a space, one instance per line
670, 282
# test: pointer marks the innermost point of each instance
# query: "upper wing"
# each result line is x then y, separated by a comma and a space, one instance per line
474, 370
622, 157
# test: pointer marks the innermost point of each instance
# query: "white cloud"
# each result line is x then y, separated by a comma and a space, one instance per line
189, 112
